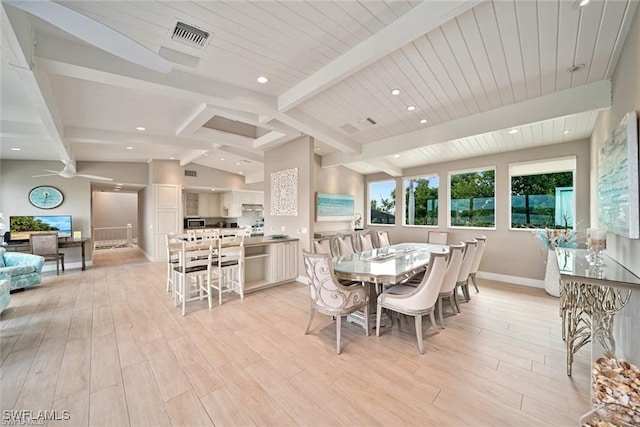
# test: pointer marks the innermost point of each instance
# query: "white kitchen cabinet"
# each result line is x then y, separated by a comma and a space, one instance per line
203, 205
191, 204
284, 262
231, 204
214, 205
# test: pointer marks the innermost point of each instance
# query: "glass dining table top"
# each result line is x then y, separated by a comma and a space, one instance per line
391, 264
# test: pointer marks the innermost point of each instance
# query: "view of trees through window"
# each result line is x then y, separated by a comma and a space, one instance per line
542, 201
421, 200
473, 199
382, 199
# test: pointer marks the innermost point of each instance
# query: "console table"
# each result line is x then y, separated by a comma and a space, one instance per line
62, 243
590, 298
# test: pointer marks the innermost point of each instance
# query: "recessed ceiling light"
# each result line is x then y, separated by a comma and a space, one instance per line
237, 163
317, 148
240, 173
213, 189
172, 158
566, 131
116, 189
262, 79
582, 3
129, 148
512, 131
395, 92
576, 67
396, 155
16, 149
141, 128
423, 121
222, 158
411, 107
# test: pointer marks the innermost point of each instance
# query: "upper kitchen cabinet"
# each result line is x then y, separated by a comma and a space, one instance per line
191, 204
232, 201
208, 205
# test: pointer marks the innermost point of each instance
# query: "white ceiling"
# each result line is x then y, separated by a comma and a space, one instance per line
473, 69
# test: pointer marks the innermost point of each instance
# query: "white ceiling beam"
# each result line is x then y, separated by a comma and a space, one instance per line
223, 138
589, 97
192, 157
200, 115
272, 139
255, 156
415, 23
70, 59
255, 120
17, 47
26, 129
99, 136
385, 166
313, 127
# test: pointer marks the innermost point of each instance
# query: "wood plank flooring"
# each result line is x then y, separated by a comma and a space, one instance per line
108, 346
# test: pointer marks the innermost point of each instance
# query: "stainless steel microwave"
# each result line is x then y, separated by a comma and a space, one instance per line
192, 223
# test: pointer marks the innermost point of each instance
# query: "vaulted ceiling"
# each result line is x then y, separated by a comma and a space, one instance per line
475, 72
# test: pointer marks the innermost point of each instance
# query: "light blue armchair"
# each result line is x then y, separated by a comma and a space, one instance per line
25, 269
5, 297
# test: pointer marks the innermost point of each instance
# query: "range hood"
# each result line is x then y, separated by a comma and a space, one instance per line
252, 208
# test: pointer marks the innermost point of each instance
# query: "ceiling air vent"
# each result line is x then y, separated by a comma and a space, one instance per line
190, 173
190, 35
349, 128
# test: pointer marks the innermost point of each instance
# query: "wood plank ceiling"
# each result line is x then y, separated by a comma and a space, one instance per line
492, 55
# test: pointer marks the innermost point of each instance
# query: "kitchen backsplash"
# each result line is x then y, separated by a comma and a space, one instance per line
246, 220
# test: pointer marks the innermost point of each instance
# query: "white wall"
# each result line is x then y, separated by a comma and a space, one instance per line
626, 97
115, 210
338, 180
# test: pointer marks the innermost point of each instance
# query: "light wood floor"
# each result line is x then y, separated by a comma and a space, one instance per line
107, 345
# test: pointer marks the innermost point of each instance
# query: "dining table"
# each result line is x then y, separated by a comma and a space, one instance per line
388, 265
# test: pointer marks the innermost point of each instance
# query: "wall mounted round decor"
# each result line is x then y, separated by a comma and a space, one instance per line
46, 197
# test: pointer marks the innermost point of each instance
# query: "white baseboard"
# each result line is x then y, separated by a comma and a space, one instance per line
524, 281
303, 280
67, 266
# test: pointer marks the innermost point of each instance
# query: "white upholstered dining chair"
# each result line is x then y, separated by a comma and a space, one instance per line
470, 249
329, 297
365, 242
437, 237
482, 242
447, 290
416, 301
383, 239
325, 245
345, 245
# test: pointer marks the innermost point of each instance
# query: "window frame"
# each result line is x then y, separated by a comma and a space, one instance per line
495, 201
369, 203
574, 159
404, 204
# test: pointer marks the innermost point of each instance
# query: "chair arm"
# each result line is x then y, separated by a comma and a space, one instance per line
18, 258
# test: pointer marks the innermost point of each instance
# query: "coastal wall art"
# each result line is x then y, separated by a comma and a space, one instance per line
619, 202
284, 192
334, 207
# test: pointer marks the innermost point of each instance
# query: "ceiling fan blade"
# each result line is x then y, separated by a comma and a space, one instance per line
96, 177
46, 174
93, 32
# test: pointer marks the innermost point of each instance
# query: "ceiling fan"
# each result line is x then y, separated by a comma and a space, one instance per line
69, 171
93, 32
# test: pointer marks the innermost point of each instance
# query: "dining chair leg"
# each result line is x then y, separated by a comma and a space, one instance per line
432, 317
338, 330
440, 312
366, 319
419, 332
306, 331
465, 290
454, 309
378, 317
455, 300
473, 279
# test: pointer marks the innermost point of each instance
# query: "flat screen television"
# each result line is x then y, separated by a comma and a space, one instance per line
21, 226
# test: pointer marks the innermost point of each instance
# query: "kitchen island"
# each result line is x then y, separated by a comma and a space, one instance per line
269, 262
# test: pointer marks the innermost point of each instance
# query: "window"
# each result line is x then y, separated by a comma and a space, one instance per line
382, 202
542, 194
472, 198
421, 200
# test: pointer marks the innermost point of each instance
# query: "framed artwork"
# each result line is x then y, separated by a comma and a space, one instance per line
619, 203
284, 193
334, 207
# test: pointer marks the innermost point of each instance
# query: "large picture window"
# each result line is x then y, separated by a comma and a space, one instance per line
421, 200
472, 198
382, 202
542, 194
